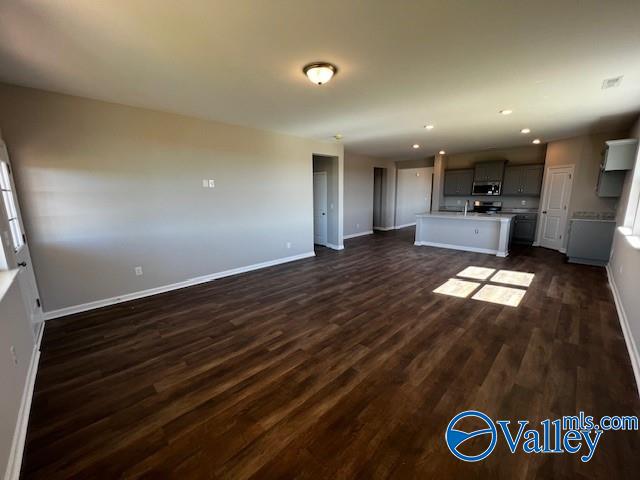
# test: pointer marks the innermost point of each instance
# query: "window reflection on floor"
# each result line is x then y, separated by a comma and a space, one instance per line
479, 273
502, 295
457, 288
510, 277
489, 292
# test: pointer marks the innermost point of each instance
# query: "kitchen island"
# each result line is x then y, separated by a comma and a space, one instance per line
472, 232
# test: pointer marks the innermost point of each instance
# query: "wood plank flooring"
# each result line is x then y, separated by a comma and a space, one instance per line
345, 365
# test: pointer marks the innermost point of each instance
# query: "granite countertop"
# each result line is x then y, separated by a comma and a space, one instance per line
599, 216
504, 210
501, 217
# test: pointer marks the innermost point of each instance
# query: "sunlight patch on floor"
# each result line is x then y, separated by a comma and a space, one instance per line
478, 273
511, 277
501, 295
457, 288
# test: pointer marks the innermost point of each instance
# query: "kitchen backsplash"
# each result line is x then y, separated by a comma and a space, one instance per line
453, 203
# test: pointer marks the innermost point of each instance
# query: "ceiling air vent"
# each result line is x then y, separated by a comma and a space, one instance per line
611, 82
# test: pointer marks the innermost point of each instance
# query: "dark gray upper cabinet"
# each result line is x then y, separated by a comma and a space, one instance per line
512, 181
489, 171
458, 182
524, 180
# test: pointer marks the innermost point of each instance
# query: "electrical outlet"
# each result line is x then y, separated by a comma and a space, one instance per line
14, 356
288, 244
212, 184
205, 183
357, 225
138, 270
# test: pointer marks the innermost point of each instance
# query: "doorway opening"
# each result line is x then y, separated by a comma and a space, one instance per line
325, 202
379, 196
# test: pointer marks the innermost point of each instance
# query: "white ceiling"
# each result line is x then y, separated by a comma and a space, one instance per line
402, 64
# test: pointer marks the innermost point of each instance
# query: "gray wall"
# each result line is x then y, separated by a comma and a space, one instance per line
358, 192
105, 187
624, 266
413, 193
419, 163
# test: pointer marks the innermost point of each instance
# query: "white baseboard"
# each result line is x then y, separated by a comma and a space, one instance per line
458, 247
166, 288
20, 433
383, 229
397, 227
359, 234
626, 331
334, 246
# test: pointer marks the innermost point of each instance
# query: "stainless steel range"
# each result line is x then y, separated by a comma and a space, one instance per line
490, 208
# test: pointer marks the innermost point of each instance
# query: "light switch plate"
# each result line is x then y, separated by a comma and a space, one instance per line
212, 184
205, 183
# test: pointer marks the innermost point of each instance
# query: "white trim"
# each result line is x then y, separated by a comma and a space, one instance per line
459, 247
174, 286
383, 229
359, 234
20, 433
334, 246
626, 330
397, 227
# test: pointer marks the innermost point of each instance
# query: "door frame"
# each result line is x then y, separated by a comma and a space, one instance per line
543, 198
326, 205
33, 305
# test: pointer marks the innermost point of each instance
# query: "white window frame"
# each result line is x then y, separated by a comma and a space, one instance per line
8, 191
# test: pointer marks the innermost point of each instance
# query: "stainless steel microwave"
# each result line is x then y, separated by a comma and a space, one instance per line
487, 188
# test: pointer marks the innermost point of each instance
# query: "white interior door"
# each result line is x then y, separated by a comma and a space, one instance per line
14, 241
555, 206
320, 208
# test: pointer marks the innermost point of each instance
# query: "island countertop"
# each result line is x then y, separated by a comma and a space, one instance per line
499, 217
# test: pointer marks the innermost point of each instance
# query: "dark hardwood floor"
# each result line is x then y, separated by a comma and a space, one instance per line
346, 365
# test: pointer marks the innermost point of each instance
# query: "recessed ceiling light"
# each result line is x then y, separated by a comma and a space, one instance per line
506, 112
536, 141
442, 152
525, 130
428, 127
320, 72
415, 145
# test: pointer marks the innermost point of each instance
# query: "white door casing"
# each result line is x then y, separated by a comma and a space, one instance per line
320, 208
20, 258
555, 207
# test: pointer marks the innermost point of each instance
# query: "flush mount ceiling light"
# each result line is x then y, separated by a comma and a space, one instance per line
506, 112
525, 130
320, 72
338, 136
442, 152
428, 127
415, 145
536, 141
